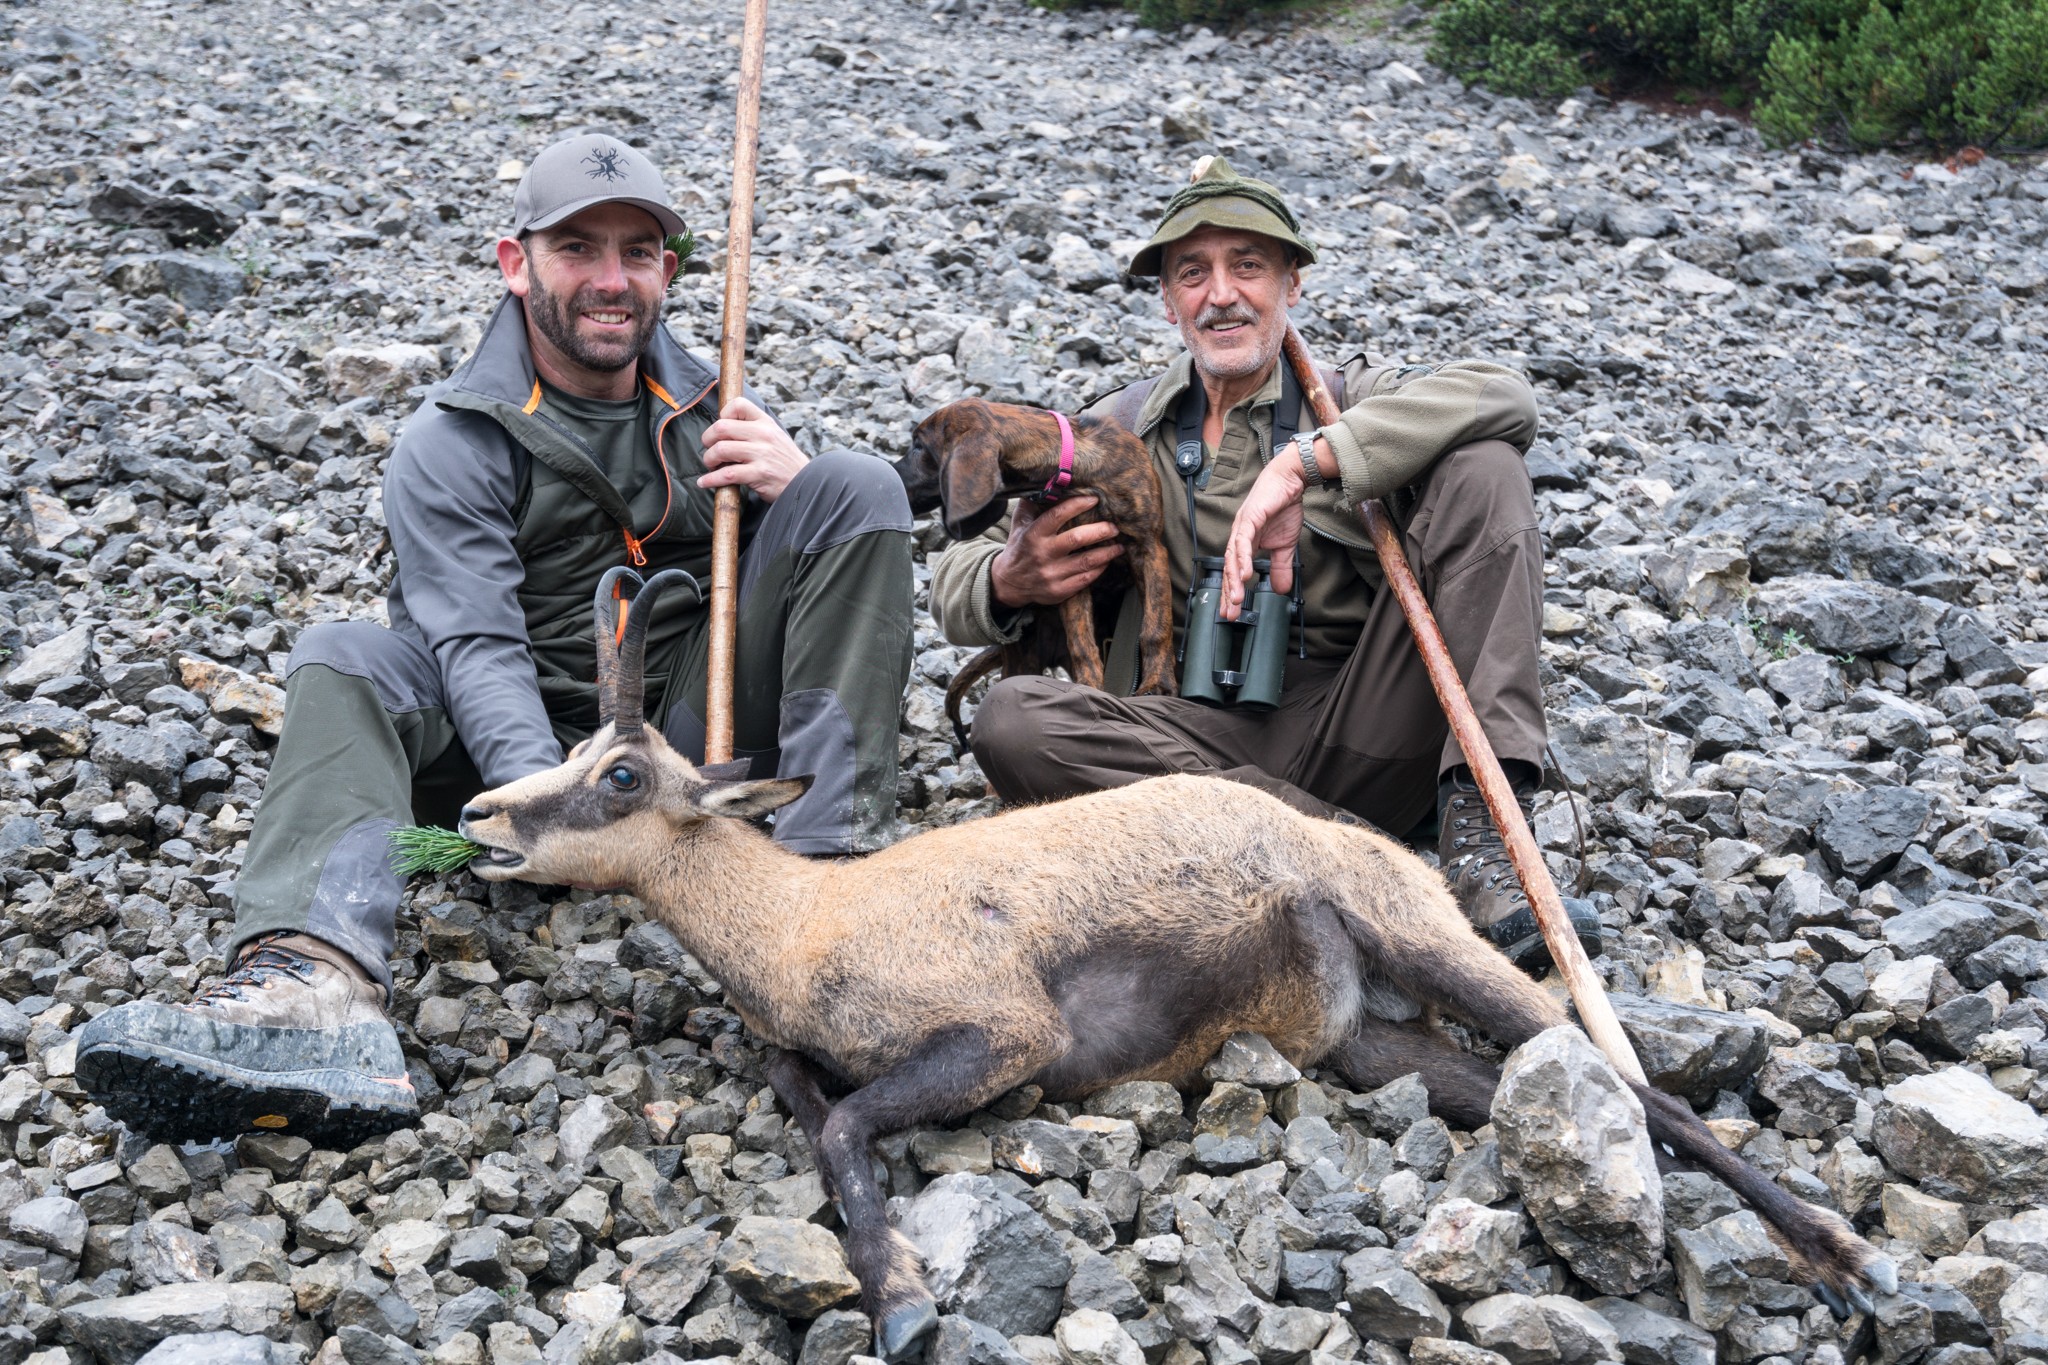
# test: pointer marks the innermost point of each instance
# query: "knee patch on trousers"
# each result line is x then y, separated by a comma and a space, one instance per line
399, 666
841, 495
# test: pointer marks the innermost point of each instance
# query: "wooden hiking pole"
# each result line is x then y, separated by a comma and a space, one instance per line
732, 356
1595, 1012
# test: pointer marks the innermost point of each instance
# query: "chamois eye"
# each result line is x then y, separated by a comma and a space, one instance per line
623, 778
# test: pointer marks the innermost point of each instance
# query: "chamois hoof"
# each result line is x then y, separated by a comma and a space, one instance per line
1845, 1301
1883, 1273
900, 1329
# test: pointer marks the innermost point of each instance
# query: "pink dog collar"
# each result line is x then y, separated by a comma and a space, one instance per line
1056, 487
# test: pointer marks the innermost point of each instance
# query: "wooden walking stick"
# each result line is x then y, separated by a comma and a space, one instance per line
732, 353
1595, 1012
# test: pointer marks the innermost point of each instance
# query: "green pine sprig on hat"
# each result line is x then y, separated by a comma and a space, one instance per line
426, 848
684, 244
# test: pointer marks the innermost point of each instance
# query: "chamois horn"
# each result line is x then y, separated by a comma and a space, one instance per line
611, 605
631, 664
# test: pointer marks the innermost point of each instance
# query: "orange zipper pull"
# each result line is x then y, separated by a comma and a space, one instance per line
633, 549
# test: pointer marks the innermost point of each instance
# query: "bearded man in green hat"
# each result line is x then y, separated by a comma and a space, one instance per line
1357, 733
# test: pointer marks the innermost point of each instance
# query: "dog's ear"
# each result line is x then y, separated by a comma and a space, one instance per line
970, 469
919, 470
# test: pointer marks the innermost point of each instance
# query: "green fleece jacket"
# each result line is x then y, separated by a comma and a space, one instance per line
1400, 420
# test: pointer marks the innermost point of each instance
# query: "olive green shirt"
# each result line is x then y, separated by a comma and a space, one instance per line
618, 431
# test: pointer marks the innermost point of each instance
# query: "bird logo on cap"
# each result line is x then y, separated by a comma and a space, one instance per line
604, 164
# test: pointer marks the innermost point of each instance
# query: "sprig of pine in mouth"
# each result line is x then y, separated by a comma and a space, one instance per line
427, 848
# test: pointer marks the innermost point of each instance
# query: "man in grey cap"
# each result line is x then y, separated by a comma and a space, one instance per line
577, 438
1357, 733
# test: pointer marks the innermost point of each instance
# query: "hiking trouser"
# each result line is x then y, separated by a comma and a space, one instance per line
1363, 733
823, 657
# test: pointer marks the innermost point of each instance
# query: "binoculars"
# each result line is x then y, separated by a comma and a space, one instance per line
1235, 663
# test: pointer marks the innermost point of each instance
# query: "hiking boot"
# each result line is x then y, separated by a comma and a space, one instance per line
293, 1039
1475, 862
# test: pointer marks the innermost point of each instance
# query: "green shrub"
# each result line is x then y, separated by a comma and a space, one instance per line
1957, 72
1171, 14
1549, 47
1870, 72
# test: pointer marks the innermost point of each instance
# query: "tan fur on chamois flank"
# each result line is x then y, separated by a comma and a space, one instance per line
962, 923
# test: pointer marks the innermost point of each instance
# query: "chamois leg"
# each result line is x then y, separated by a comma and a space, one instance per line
1824, 1250
1460, 1085
1433, 956
1468, 979
948, 1075
798, 1082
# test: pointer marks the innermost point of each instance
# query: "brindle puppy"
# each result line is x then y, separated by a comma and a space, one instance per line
971, 457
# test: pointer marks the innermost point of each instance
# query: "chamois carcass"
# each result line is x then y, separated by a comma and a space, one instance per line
1117, 936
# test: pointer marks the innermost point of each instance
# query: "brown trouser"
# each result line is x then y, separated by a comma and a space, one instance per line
1362, 733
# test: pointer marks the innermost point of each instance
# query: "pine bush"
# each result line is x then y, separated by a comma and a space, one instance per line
1865, 72
1955, 72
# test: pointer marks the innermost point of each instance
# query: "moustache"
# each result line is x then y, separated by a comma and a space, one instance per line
1211, 317
591, 300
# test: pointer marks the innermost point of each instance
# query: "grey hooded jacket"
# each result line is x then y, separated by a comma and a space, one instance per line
502, 523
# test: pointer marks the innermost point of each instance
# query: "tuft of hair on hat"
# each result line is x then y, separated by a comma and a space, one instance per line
1201, 168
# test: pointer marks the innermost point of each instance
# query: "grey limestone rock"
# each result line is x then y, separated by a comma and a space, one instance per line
1959, 1136
1716, 1262
959, 1341
1863, 833
793, 1267
1949, 929
201, 283
1691, 1050
1572, 1142
121, 1330
987, 1255
1647, 1337
219, 1348
664, 1273
2021, 1239
1248, 1059
52, 1222
1839, 616
1388, 1300
1464, 1249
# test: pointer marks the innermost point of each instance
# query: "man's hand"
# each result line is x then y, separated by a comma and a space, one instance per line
1267, 526
746, 447
1048, 559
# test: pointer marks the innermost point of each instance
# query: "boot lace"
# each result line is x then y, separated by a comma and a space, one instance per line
1479, 853
262, 962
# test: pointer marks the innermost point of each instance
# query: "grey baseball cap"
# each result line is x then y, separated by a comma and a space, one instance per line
578, 173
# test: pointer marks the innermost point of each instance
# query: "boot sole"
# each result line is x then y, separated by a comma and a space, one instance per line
188, 1099
175, 1075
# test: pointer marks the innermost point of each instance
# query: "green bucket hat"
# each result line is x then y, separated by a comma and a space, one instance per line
1219, 197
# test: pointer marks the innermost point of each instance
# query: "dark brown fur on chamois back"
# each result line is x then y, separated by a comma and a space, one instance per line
970, 458
1118, 936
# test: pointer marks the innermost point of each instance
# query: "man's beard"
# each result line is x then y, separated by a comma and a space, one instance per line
1234, 365
557, 322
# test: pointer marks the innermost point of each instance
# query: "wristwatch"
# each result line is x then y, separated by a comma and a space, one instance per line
1305, 444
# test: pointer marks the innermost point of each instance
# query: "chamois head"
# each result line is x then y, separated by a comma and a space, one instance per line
623, 795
